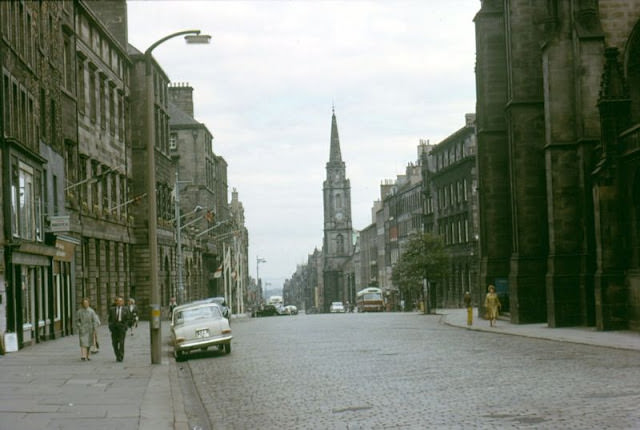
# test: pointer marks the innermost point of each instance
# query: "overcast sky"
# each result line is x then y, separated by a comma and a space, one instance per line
396, 71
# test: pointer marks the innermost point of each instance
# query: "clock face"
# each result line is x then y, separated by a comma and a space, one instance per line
339, 216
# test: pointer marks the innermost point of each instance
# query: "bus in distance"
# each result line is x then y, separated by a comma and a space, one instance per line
370, 300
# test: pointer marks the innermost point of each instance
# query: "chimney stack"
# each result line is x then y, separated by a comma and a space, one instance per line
181, 95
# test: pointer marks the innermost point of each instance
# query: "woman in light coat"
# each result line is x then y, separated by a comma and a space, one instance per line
492, 305
87, 322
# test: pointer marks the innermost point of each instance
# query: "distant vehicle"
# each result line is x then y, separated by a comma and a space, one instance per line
197, 327
291, 310
311, 310
336, 307
275, 300
370, 300
265, 311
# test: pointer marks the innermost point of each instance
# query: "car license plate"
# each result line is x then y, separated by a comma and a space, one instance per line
202, 333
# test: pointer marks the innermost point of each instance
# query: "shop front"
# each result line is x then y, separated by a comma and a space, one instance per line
28, 287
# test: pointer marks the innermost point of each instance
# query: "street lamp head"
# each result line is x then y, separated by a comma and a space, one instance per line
201, 39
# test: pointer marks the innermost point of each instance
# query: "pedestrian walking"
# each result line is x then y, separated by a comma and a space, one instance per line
95, 346
467, 304
492, 305
87, 322
119, 318
133, 310
172, 306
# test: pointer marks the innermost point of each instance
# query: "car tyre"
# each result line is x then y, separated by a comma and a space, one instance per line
227, 348
179, 355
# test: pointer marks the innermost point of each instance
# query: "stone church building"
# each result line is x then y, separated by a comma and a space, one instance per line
337, 247
558, 127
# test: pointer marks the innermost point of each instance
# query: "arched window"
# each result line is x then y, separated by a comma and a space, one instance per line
340, 244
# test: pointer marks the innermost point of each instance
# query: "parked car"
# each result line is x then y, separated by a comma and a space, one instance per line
198, 326
336, 307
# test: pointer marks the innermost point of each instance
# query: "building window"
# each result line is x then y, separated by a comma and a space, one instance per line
94, 184
113, 196
122, 198
29, 41
56, 208
70, 170
464, 190
121, 115
105, 188
6, 105
466, 230
92, 94
26, 201
81, 83
452, 195
43, 114
112, 109
31, 134
15, 111
103, 103
82, 176
54, 123
67, 64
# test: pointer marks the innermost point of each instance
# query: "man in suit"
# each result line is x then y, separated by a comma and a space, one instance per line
119, 320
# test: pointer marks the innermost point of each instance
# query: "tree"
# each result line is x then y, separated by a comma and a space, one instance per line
422, 257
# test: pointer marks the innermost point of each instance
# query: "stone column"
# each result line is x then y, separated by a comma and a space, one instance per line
572, 126
493, 152
526, 135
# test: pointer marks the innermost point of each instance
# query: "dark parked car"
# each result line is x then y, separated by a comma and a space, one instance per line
266, 311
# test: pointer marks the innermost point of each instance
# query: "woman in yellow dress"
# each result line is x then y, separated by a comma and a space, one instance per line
492, 305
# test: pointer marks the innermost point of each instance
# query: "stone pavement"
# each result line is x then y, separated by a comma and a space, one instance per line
47, 386
583, 335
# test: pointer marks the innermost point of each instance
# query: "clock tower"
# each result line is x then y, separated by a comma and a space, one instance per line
338, 234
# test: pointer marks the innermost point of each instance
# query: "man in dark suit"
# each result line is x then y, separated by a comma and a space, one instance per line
119, 320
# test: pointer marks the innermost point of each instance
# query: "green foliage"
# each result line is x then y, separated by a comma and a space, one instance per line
423, 256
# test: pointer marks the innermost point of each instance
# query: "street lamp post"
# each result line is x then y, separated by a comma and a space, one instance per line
155, 326
258, 261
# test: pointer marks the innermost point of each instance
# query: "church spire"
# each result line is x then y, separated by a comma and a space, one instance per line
334, 155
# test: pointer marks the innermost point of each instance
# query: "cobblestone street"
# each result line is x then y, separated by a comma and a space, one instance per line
394, 370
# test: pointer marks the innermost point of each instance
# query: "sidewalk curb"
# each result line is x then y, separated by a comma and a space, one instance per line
181, 422
578, 335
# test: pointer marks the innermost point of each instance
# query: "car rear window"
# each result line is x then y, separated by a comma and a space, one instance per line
192, 314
